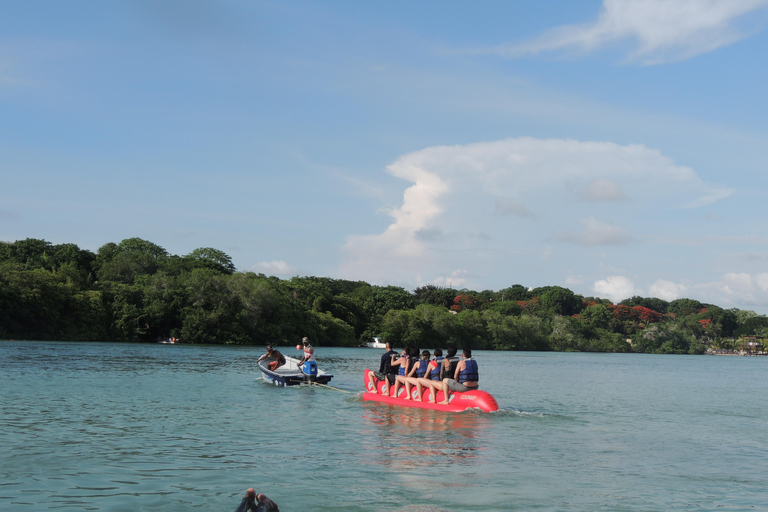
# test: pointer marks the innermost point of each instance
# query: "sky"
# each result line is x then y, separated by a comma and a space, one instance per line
615, 148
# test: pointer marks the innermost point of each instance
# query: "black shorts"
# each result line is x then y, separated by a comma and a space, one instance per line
381, 376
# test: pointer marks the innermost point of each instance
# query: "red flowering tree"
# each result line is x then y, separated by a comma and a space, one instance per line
462, 302
645, 315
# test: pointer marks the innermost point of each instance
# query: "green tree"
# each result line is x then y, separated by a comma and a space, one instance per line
435, 295
558, 300
207, 257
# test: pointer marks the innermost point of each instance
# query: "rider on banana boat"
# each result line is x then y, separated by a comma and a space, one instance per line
466, 376
418, 372
432, 378
386, 370
404, 364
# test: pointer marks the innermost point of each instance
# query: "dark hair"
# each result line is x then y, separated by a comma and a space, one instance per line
451, 351
407, 351
438, 352
269, 348
467, 352
425, 354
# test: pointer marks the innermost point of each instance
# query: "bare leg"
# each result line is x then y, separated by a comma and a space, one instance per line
372, 381
434, 387
445, 393
407, 389
398, 381
418, 390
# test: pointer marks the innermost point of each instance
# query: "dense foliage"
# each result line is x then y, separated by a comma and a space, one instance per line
136, 291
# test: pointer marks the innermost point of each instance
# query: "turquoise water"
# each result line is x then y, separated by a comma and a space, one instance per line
124, 427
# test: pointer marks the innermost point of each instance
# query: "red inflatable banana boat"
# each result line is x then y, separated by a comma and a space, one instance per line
459, 400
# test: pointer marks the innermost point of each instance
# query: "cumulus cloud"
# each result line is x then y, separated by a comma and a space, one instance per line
601, 189
455, 279
455, 192
735, 288
274, 268
661, 30
667, 290
615, 288
596, 233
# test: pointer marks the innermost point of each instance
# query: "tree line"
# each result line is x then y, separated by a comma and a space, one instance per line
136, 291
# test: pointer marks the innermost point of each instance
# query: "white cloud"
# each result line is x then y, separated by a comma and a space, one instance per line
734, 288
274, 268
615, 288
737, 285
455, 279
595, 233
762, 281
662, 30
601, 189
456, 192
667, 290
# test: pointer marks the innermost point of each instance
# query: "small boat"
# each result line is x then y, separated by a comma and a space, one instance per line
458, 401
376, 343
290, 374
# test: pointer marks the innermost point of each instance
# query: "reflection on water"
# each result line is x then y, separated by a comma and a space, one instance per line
412, 437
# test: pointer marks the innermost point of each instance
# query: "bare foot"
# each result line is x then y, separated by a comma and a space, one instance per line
417, 399
406, 397
374, 392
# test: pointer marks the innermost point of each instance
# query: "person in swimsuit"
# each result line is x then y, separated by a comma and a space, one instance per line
404, 364
431, 378
279, 359
466, 377
417, 373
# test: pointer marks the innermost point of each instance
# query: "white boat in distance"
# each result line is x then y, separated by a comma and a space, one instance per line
377, 342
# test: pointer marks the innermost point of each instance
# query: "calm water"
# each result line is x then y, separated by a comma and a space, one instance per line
121, 427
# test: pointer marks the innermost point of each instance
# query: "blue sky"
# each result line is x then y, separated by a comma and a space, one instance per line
616, 148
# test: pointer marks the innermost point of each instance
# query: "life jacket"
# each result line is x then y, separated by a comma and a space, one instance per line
434, 373
469, 373
421, 371
448, 374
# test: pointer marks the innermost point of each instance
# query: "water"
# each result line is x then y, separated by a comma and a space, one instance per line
123, 427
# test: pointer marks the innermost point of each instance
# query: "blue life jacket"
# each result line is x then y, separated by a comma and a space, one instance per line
469, 373
421, 371
434, 374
